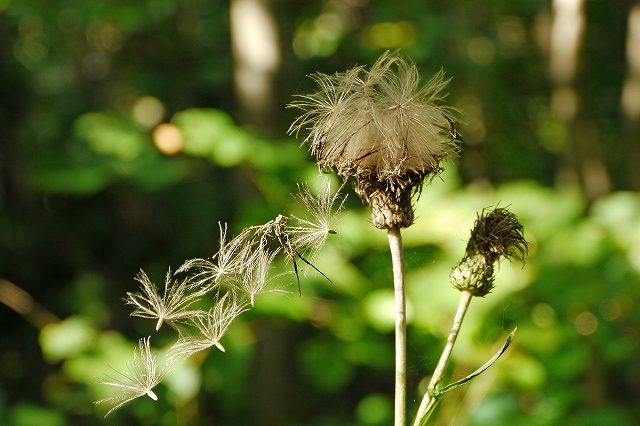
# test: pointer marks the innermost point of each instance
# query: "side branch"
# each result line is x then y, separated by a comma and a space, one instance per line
432, 396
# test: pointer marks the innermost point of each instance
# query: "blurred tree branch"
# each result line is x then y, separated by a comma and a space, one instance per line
22, 303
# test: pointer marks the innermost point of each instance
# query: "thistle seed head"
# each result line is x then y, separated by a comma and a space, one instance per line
381, 128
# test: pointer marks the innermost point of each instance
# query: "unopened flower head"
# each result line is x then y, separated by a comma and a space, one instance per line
142, 375
474, 275
381, 127
495, 233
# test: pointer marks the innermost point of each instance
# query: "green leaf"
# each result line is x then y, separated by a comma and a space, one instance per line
110, 135
29, 415
211, 134
66, 339
447, 388
71, 179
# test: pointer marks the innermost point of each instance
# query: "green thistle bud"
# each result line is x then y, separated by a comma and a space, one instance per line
495, 233
474, 275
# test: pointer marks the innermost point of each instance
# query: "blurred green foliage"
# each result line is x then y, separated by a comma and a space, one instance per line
87, 198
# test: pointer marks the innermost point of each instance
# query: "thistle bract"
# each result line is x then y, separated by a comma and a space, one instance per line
497, 233
381, 128
474, 275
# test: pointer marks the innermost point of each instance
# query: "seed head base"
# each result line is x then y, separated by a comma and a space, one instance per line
388, 197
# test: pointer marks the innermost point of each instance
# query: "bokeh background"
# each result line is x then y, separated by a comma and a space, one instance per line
129, 129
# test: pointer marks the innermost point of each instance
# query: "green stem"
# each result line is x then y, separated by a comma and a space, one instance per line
432, 396
397, 258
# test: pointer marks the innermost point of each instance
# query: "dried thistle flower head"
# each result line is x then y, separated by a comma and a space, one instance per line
381, 127
495, 233
141, 377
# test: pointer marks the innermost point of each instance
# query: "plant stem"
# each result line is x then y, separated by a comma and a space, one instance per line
431, 397
397, 259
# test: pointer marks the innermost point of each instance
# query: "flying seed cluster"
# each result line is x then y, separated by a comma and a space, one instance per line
229, 281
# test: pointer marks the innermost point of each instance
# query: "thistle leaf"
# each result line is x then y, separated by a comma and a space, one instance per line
485, 366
